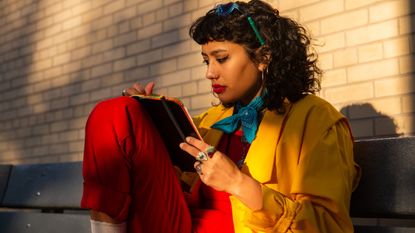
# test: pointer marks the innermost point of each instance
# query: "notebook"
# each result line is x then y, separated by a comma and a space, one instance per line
174, 124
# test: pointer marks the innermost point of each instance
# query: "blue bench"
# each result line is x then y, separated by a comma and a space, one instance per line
44, 198
384, 201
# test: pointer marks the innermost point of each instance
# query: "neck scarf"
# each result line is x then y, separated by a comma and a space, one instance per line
246, 116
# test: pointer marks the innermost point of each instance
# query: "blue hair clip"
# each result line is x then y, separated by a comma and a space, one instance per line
227, 9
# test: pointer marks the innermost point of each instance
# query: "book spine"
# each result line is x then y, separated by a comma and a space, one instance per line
173, 119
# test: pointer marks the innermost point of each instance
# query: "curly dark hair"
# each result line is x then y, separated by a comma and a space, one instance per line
292, 70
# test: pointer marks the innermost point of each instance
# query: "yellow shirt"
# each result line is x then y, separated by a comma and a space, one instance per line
304, 162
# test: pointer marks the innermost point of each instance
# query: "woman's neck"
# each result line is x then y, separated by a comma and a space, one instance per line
245, 101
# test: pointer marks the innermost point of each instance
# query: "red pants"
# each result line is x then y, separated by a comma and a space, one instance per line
128, 174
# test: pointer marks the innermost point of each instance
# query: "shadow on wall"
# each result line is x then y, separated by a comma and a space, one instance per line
41, 119
47, 98
15, 68
367, 122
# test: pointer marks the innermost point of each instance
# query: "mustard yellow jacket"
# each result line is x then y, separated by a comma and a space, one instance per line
304, 162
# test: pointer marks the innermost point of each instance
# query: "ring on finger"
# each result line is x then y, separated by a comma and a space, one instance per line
210, 151
202, 156
199, 169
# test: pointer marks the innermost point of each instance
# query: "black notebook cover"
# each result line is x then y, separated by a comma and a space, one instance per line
174, 124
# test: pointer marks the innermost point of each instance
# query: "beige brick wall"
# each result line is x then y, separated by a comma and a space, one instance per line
367, 55
58, 58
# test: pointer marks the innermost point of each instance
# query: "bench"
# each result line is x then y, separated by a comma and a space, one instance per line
384, 201
44, 198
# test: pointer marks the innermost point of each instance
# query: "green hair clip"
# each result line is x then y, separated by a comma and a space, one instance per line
251, 22
226, 9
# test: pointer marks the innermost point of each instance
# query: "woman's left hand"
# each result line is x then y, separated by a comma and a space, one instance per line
218, 171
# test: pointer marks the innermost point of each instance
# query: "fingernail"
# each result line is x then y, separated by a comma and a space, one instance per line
188, 139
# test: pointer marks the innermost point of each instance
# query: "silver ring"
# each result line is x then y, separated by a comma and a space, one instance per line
202, 156
210, 151
123, 93
199, 169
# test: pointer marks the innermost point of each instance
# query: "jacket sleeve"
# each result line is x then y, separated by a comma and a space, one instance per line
320, 195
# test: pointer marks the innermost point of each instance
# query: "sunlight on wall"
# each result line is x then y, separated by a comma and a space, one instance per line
12, 151
59, 57
54, 49
366, 51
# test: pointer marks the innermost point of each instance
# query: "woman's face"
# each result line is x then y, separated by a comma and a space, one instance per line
234, 76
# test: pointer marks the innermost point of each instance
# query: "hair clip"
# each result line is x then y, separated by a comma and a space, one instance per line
228, 8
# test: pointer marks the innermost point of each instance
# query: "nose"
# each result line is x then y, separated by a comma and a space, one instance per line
211, 72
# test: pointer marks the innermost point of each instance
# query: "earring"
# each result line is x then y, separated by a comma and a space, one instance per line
214, 103
215, 95
263, 74
263, 77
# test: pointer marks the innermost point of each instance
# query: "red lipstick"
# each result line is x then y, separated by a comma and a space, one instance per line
218, 89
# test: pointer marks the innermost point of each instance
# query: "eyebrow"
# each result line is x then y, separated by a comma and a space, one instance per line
214, 52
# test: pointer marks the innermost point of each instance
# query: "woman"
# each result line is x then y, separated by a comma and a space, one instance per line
275, 157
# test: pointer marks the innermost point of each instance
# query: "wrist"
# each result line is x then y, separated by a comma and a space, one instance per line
247, 190
237, 182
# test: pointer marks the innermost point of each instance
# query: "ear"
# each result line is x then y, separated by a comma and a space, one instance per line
262, 66
264, 57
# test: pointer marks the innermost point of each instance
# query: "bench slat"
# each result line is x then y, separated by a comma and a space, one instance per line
45, 186
26, 222
387, 186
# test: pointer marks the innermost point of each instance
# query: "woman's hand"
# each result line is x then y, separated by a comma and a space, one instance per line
222, 174
138, 89
218, 171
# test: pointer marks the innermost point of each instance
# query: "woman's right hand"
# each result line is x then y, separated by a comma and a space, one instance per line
138, 89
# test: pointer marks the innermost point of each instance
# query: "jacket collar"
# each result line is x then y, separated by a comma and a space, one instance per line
260, 160
214, 115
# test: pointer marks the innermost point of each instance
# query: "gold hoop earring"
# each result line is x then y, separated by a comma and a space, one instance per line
263, 77
214, 103
215, 95
264, 91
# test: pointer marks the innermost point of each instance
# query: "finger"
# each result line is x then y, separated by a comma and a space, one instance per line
131, 91
139, 88
198, 168
197, 143
196, 164
193, 151
149, 88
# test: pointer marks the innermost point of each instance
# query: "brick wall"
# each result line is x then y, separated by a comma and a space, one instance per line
58, 58
367, 50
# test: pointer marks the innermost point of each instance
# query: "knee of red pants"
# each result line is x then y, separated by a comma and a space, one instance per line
108, 155
124, 116
120, 116
116, 109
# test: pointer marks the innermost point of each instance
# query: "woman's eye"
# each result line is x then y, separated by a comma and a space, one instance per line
219, 60
222, 60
